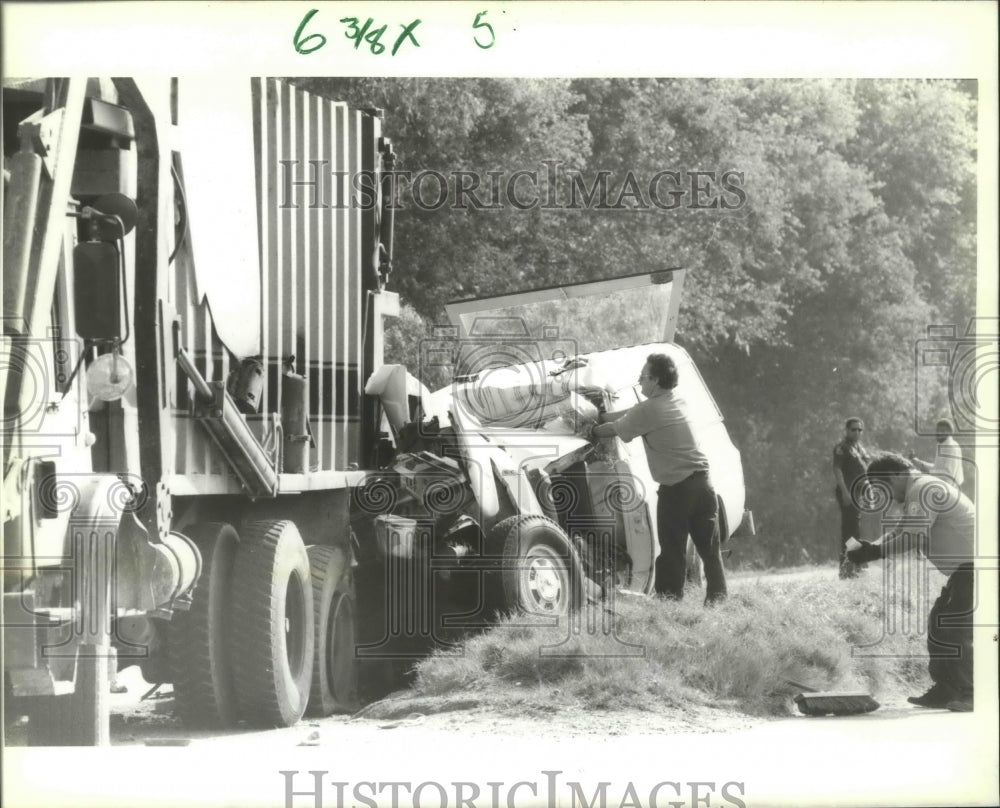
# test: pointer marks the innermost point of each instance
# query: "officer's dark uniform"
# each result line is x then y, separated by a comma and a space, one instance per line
852, 459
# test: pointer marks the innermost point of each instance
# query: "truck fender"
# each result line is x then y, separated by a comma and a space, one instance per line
146, 576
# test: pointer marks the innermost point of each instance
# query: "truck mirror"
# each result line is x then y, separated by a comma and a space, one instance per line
96, 290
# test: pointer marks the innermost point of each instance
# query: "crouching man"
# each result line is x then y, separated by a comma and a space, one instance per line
940, 521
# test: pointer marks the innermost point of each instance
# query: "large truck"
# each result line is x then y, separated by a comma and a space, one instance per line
209, 470
194, 288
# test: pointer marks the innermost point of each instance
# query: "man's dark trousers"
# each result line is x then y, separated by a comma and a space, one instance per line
949, 633
850, 528
689, 508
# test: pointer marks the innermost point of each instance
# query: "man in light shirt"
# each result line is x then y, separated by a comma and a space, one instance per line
939, 521
686, 501
948, 461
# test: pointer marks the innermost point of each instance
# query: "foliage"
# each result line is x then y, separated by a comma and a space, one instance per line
802, 306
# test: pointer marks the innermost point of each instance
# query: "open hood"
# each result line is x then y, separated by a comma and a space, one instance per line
595, 316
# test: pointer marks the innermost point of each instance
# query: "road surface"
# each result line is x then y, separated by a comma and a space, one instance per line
899, 755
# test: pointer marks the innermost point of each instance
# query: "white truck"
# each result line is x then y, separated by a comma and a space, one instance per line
208, 470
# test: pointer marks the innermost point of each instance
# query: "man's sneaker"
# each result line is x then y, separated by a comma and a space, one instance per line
960, 705
937, 696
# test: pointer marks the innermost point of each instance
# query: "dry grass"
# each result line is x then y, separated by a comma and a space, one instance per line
654, 654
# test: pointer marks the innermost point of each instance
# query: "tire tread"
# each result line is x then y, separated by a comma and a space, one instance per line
202, 674
253, 604
322, 700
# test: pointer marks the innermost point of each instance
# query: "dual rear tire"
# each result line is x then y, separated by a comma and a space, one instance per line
271, 642
269, 632
200, 665
334, 678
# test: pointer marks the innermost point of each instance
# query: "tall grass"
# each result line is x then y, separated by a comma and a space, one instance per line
649, 653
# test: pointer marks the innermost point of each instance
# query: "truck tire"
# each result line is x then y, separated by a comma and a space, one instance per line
334, 677
271, 642
540, 572
199, 659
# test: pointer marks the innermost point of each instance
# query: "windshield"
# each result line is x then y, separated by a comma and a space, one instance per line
593, 316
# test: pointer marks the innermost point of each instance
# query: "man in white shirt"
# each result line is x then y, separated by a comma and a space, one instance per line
940, 521
948, 461
686, 500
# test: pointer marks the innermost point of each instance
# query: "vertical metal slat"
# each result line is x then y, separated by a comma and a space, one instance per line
340, 296
353, 307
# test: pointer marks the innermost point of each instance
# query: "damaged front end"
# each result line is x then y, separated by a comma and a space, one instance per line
463, 498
